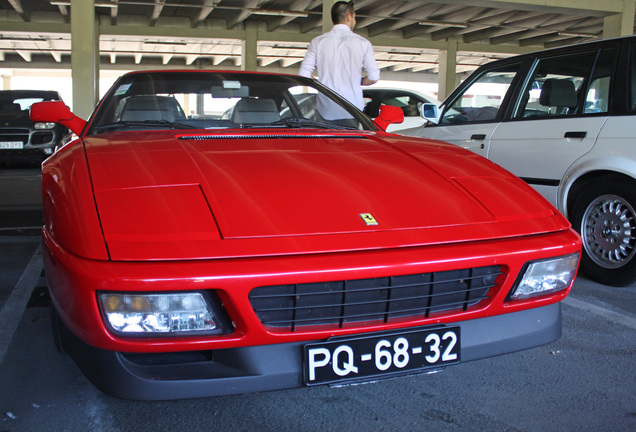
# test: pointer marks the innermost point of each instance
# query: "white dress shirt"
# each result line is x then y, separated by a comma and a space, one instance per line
340, 55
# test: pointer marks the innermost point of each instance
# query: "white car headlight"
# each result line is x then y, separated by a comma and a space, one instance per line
46, 125
161, 314
546, 277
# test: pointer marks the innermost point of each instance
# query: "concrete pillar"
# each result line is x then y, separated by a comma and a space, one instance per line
249, 59
447, 77
327, 24
621, 24
6, 82
84, 57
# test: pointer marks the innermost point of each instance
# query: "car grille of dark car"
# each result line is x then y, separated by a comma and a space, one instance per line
40, 138
14, 135
377, 300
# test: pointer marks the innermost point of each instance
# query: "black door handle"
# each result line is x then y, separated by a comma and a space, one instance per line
478, 137
575, 134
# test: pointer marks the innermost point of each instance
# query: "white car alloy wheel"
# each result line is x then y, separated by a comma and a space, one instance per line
609, 231
605, 217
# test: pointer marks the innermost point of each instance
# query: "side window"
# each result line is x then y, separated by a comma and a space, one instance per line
482, 99
597, 98
555, 86
598, 92
409, 104
632, 79
299, 102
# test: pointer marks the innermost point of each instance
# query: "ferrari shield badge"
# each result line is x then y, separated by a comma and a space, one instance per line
368, 219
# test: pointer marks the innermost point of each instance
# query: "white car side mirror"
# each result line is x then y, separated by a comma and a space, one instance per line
429, 112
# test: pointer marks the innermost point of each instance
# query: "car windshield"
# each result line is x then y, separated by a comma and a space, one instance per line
222, 100
21, 100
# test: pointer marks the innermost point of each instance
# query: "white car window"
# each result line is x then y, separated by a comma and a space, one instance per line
482, 99
554, 89
632, 79
597, 98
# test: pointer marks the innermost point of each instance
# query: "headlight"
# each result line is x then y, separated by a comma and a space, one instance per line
46, 125
546, 277
161, 314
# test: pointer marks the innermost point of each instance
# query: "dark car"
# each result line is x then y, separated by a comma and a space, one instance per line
21, 138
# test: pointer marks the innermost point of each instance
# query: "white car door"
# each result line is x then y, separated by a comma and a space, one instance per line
540, 151
557, 119
470, 117
474, 137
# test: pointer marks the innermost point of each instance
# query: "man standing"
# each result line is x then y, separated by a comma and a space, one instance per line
340, 55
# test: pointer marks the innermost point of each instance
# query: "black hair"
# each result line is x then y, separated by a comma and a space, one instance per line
339, 11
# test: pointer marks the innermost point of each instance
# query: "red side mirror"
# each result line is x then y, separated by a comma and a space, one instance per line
388, 115
56, 112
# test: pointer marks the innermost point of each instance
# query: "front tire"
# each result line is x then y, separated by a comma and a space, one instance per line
605, 216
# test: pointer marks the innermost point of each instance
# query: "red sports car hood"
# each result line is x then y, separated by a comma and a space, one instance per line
164, 195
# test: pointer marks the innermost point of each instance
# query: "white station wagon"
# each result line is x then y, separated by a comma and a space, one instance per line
564, 120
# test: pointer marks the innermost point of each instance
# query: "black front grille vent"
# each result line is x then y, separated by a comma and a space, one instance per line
21, 135
377, 300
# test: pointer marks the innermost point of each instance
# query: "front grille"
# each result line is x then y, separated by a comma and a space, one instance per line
10, 130
376, 300
15, 135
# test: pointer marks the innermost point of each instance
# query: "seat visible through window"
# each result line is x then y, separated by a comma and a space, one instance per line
252, 110
559, 94
140, 108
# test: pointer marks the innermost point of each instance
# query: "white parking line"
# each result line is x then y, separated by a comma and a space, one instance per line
617, 317
13, 309
10, 316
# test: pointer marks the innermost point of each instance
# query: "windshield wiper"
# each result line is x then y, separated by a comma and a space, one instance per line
142, 123
296, 122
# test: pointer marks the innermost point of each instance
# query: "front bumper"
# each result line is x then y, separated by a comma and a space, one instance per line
279, 366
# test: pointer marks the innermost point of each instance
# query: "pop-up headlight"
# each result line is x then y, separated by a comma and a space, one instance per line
546, 277
160, 314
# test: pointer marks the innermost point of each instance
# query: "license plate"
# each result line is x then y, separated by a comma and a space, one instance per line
376, 356
11, 145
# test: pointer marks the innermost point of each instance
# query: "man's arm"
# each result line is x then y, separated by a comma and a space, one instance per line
366, 81
370, 66
309, 63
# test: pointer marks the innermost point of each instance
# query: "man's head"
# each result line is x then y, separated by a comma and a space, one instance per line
343, 12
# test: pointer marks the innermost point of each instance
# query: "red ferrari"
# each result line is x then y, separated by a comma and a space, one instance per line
212, 233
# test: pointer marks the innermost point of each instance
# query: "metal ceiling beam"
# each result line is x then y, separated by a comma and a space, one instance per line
244, 13
589, 7
514, 35
114, 12
485, 33
17, 6
157, 8
534, 23
206, 9
301, 5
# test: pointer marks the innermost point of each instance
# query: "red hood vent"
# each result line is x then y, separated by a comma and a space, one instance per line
269, 136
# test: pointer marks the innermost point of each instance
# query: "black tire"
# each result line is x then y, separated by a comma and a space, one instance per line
605, 216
